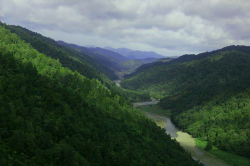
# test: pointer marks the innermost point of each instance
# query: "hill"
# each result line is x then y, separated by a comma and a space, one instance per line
74, 60
100, 58
143, 54
111, 55
122, 51
68, 57
110, 59
189, 57
208, 95
51, 115
131, 54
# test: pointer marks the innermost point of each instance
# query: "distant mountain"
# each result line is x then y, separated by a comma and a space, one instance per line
110, 54
143, 55
51, 115
147, 60
189, 57
90, 46
131, 54
122, 51
110, 59
72, 59
105, 60
208, 94
167, 59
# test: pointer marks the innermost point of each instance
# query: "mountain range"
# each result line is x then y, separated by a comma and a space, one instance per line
57, 108
208, 94
116, 60
131, 54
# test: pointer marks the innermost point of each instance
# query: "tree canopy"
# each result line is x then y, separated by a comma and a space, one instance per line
51, 115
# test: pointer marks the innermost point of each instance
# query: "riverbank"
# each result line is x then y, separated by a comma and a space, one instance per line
229, 157
187, 142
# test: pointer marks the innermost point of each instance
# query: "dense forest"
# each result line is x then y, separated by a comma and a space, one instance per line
68, 57
51, 115
187, 58
75, 61
208, 96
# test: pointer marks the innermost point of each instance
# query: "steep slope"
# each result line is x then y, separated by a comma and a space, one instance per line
50, 115
191, 57
209, 98
68, 57
122, 51
110, 59
131, 64
105, 61
116, 57
73, 60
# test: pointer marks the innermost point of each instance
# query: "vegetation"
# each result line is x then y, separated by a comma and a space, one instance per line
67, 57
131, 64
209, 146
231, 158
50, 115
208, 96
74, 60
155, 109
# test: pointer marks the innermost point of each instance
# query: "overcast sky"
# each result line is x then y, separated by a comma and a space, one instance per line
168, 27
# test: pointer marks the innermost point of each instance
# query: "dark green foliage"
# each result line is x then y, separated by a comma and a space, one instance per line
209, 146
50, 115
67, 57
208, 97
191, 57
74, 60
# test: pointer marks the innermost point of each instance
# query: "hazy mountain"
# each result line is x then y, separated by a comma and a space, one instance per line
110, 54
131, 54
100, 58
143, 54
110, 59
90, 46
122, 51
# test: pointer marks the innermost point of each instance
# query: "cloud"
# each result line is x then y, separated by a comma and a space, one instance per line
165, 26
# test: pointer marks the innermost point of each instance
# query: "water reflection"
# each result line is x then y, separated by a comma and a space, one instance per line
171, 129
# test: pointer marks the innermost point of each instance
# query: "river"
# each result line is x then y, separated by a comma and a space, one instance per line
185, 140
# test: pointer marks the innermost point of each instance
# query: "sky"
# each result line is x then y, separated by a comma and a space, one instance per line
168, 27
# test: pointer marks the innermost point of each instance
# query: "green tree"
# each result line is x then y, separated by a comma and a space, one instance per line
209, 146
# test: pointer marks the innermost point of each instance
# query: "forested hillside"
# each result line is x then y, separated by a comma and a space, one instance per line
188, 58
68, 57
209, 98
74, 60
50, 115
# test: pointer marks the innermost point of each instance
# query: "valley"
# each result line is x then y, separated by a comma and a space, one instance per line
185, 140
51, 113
207, 98
130, 83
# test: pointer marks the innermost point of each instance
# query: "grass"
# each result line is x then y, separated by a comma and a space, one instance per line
154, 109
227, 156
